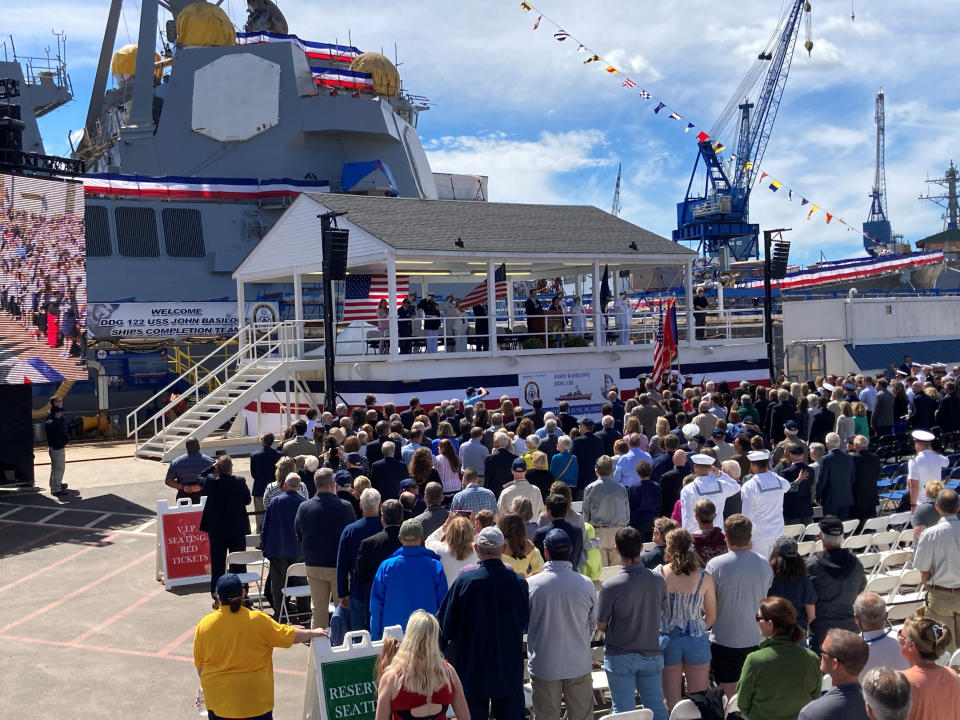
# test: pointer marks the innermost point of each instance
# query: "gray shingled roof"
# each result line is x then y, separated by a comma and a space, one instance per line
413, 224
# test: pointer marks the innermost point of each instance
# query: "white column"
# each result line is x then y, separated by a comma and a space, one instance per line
691, 329
392, 304
511, 305
241, 312
595, 308
492, 306
579, 285
298, 312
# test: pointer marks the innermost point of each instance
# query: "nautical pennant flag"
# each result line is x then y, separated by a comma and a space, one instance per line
581, 48
790, 195
762, 176
479, 294
659, 107
363, 293
803, 201
628, 83
690, 126
537, 23
592, 58
676, 116
644, 95
829, 218
702, 136
526, 7
612, 70
776, 185
665, 347
747, 165
561, 36
719, 147
813, 209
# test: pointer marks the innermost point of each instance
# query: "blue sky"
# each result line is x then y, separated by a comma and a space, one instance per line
515, 104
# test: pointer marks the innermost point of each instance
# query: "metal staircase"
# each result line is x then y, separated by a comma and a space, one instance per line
215, 396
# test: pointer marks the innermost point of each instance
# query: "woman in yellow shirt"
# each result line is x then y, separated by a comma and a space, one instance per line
521, 555
233, 651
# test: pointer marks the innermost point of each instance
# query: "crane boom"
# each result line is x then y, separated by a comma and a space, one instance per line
877, 233
719, 218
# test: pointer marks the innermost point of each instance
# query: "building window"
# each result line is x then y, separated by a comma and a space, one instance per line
97, 231
137, 232
183, 233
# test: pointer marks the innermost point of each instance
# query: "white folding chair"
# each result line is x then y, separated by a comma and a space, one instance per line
292, 592
253, 541
849, 526
955, 660
826, 683
905, 540
883, 585
685, 710
869, 560
638, 714
894, 561
794, 531
806, 548
884, 540
899, 519
857, 543
875, 524
811, 530
732, 705
577, 506
910, 588
248, 558
649, 546
896, 614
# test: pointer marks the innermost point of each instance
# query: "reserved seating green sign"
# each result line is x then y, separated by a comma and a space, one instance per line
349, 688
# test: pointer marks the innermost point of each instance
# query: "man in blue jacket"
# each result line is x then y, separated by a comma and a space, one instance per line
319, 524
410, 579
262, 465
353, 595
835, 481
278, 541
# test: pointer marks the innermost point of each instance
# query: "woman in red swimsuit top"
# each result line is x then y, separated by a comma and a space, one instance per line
419, 684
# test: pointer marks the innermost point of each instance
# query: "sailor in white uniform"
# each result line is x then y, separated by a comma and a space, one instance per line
623, 311
925, 466
762, 498
578, 318
710, 483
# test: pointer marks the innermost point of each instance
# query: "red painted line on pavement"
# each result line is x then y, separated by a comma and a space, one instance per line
170, 647
124, 651
59, 562
27, 544
71, 595
112, 619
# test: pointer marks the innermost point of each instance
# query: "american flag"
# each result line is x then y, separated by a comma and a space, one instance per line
363, 293
665, 348
479, 293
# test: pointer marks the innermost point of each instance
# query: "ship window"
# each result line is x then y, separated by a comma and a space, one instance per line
137, 232
97, 231
183, 233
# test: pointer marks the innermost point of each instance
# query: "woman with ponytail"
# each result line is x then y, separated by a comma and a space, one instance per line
781, 677
935, 689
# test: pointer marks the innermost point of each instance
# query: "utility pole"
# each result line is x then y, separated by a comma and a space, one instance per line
334, 247
770, 272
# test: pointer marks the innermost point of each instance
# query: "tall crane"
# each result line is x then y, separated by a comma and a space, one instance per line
877, 234
718, 217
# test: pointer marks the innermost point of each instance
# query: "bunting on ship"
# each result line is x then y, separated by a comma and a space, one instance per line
313, 50
199, 188
345, 79
831, 272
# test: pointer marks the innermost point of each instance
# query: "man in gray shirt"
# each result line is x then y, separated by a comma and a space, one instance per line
563, 614
742, 579
606, 506
631, 607
474, 452
435, 515
843, 656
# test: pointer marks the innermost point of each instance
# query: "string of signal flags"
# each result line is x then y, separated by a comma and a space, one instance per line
662, 109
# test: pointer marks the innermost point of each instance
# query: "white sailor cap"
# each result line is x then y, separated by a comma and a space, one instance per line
828, 387
758, 456
901, 372
702, 459
691, 430
923, 436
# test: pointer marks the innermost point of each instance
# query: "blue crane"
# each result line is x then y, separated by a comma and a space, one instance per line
718, 218
877, 234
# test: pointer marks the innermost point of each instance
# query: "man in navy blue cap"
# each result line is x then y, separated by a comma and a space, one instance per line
563, 614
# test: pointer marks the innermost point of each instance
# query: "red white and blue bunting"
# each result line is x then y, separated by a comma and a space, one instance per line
313, 50
174, 188
853, 269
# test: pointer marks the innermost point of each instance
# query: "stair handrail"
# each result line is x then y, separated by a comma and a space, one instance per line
242, 350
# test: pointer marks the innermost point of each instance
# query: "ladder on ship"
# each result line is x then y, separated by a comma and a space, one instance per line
263, 357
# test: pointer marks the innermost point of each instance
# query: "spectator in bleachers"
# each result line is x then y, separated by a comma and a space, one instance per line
741, 578
691, 610
838, 577
842, 658
937, 557
886, 694
631, 607
935, 690
781, 677
870, 613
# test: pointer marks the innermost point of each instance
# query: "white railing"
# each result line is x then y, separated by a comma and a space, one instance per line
255, 342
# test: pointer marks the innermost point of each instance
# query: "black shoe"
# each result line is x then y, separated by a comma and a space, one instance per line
61, 492
63, 486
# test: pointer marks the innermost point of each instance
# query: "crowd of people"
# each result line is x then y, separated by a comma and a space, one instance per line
42, 273
490, 535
